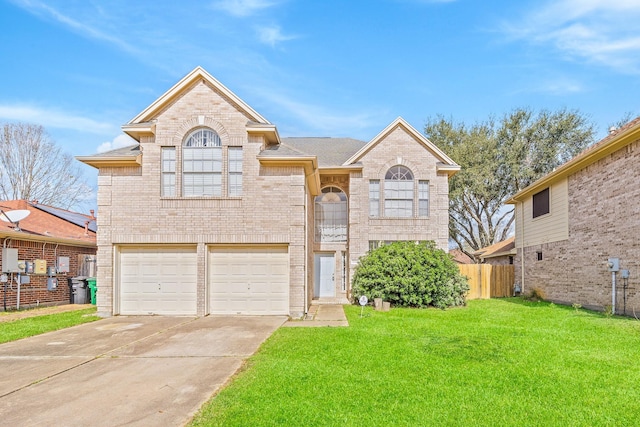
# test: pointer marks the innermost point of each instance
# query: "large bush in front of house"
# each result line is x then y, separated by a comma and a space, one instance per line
410, 274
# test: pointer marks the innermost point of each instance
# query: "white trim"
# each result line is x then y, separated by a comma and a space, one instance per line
197, 73
449, 164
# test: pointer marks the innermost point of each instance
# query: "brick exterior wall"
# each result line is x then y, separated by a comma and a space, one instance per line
603, 223
397, 148
270, 211
35, 293
275, 207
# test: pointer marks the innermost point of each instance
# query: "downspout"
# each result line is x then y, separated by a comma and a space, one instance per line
306, 249
18, 292
522, 257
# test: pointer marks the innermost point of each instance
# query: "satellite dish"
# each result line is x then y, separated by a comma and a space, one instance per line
14, 216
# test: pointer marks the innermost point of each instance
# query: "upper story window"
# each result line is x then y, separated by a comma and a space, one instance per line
206, 169
331, 215
398, 195
541, 203
168, 169
202, 164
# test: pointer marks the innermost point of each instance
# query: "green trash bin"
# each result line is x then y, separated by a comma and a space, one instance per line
91, 282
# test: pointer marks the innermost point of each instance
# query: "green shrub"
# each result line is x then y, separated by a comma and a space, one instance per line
410, 274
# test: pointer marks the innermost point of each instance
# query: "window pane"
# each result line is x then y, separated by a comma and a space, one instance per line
202, 171
423, 198
374, 198
235, 171
541, 203
168, 175
398, 193
331, 216
203, 138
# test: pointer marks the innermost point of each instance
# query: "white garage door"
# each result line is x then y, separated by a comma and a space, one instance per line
158, 281
249, 281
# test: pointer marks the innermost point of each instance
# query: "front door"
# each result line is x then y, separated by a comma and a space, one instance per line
325, 268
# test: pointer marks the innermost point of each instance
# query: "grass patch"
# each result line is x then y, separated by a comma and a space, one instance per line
22, 328
495, 362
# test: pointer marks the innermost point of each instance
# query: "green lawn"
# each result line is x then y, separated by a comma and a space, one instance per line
17, 329
495, 362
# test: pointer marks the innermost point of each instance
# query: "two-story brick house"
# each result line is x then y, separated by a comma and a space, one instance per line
213, 212
570, 222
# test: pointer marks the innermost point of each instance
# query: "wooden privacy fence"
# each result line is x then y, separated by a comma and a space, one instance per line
488, 281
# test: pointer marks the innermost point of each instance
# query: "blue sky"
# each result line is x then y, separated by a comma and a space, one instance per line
83, 68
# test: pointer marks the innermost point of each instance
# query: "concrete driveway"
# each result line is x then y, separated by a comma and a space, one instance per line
146, 371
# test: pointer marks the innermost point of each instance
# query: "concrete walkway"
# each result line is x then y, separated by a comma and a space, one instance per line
321, 315
125, 370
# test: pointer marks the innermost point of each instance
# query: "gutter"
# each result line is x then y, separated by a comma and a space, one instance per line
16, 235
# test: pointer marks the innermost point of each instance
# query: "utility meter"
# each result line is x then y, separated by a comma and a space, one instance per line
613, 264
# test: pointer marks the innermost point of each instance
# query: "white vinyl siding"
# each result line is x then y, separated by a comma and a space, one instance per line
552, 227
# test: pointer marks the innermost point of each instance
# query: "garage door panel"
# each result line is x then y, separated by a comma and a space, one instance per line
249, 281
158, 280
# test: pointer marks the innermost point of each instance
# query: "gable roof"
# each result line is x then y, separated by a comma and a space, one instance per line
460, 257
177, 89
505, 247
49, 224
446, 163
616, 140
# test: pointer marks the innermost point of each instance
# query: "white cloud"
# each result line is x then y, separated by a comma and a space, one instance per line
242, 8
119, 141
50, 118
596, 31
272, 35
42, 9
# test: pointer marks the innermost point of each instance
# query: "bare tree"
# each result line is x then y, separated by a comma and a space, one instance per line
32, 167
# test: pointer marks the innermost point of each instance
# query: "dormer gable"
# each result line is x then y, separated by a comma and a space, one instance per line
445, 163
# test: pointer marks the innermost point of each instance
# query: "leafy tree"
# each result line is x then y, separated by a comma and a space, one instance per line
499, 158
626, 118
410, 274
32, 167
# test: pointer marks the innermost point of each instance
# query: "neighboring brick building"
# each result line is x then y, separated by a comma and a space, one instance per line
48, 234
570, 222
214, 212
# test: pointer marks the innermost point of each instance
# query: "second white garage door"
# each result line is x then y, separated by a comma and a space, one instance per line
249, 281
158, 280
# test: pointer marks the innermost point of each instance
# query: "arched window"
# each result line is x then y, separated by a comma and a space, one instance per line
331, 215
203, 138
398, 192
202, 164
